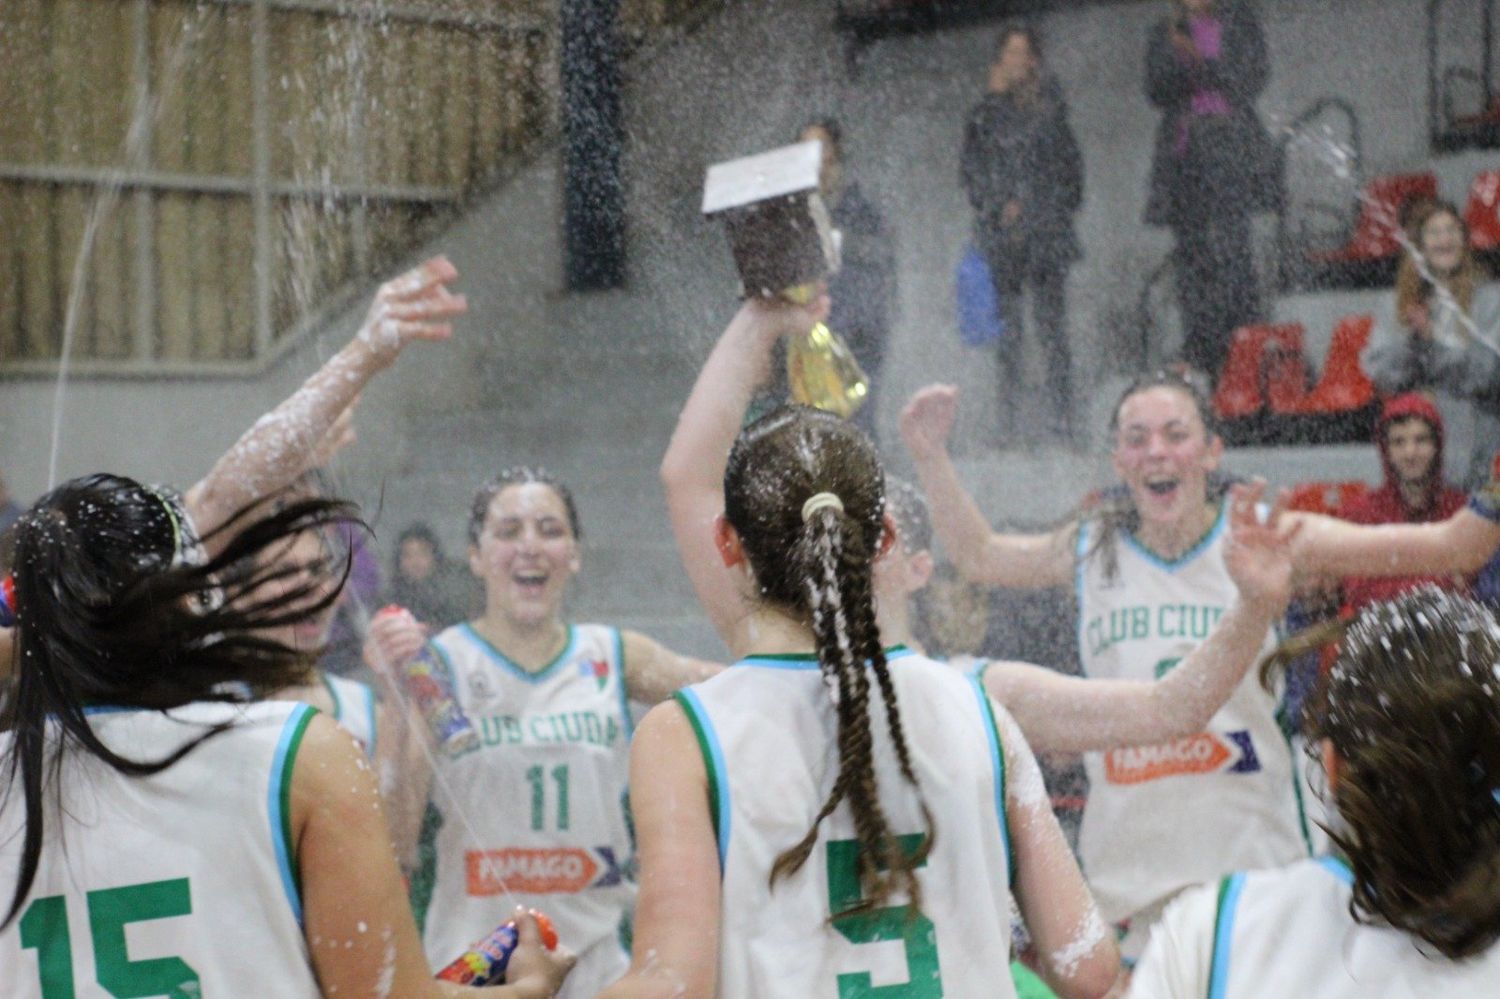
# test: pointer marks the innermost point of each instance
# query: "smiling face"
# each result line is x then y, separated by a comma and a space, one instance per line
526, 553
1442, 242
1164, 454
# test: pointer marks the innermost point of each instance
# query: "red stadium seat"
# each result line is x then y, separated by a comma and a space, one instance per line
1251, 372
1324, 497
1380, 211
1482, 214
1344, 385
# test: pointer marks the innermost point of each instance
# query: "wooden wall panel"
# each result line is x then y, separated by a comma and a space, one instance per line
25, 54
106, 330
172, 26
90, 74
315, 254
174, 272
10, 272
237, 94
41, 310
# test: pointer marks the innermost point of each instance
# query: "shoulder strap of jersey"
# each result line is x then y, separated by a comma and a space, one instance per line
1230, 889
713, 765
997, 763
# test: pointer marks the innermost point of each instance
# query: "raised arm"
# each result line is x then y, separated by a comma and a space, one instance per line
404, 753
692, 471
286, 441
1461, 544
1075, 948
980, 554
1071, 714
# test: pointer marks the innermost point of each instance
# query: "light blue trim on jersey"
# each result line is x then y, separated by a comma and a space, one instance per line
370, 707
284, 758
1338, 869
107, 709
1224, 935
689, 697
809, 660
1221, 523
624, 694
500, 660
367, 695
997, 762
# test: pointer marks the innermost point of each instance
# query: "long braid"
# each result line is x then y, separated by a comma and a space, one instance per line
860, 600
803, 490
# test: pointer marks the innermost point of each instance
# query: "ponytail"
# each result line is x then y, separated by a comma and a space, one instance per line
835, 564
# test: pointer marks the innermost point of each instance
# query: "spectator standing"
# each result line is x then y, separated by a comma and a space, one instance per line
436, 590
1410, 438
1023, 173
1445, 301
864, 288
1213, 166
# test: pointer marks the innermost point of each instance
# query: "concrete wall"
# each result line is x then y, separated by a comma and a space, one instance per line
591, 384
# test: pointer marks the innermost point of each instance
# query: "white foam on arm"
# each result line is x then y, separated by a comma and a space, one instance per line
1062, 713
1079, 956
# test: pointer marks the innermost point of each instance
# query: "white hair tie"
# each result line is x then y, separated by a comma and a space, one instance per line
818, 501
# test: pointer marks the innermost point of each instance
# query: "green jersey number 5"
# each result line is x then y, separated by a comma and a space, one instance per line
892, 922
44, 928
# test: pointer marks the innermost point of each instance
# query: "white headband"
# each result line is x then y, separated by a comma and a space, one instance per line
818, 501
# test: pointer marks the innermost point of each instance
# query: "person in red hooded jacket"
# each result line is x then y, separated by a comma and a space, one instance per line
1409, 435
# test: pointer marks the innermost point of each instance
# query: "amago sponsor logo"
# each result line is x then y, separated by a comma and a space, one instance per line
538, 872
1198, 754
559, 870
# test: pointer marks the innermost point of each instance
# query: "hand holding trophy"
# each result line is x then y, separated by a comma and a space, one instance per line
784, 246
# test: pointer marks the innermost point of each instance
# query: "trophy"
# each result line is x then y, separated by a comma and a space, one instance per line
784, 244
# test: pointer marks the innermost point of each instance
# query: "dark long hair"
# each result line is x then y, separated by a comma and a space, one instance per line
1412, 707
109, 613
819, 567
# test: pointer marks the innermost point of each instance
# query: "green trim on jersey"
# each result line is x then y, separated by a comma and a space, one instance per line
1000, 778
1218, 965
424, 878
1302, 823
705, 749
284, 794
625, 719
795, 660
504, 662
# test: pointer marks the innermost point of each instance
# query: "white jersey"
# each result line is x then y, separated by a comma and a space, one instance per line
1161, 818
766, 728
354, 708
1288, 932
180, 883
536, 815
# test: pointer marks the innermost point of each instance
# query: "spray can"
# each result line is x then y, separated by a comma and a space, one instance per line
485, 962
427, 685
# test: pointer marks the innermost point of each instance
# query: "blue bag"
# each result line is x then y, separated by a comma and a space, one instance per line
980, 320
